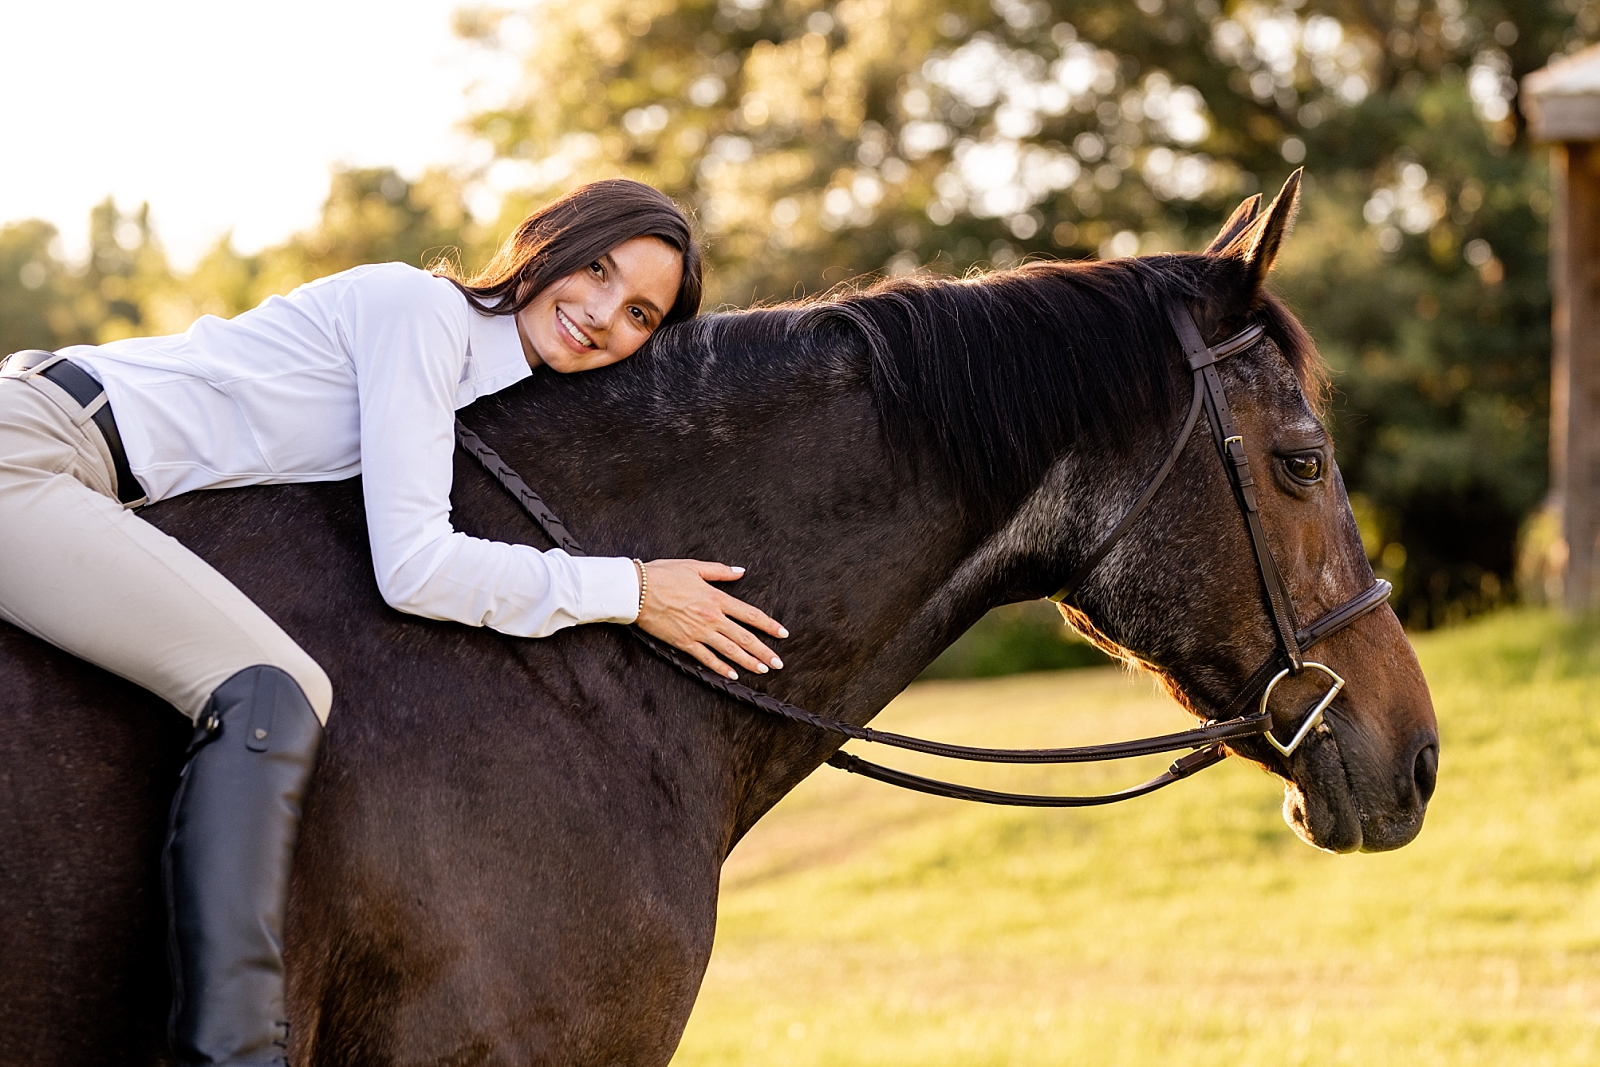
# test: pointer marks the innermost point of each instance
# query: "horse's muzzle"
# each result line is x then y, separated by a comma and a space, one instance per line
1342, 794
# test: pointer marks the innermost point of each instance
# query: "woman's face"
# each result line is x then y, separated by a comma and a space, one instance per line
602, 313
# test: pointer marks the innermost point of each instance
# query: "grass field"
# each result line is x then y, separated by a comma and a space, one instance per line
863, 925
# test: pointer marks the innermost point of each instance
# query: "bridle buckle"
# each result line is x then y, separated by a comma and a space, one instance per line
1313, 719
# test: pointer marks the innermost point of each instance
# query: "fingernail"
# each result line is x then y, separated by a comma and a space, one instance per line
783, 632
761, 667
778, 663
738, 570
733, 676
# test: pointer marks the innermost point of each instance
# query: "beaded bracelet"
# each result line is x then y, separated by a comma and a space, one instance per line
644, 582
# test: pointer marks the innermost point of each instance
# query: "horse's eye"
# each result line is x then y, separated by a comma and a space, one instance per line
1307, 466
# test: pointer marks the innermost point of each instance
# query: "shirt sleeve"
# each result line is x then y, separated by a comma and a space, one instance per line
407, 336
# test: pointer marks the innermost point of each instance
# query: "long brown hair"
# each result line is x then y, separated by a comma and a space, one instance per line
574, 231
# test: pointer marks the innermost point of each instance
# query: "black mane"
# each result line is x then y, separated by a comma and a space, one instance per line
993, 375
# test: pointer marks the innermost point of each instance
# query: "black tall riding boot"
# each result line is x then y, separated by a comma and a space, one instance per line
234, 824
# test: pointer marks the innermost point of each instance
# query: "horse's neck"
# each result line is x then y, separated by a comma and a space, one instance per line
872, 569
838, 545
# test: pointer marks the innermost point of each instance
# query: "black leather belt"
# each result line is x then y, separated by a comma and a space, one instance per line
82, 387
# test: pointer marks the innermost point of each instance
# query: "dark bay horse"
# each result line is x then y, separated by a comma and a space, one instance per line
511, 848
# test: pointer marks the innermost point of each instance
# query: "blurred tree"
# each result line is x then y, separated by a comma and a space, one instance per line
125, 287
820, 140
125, 270
45, 303
372, 215
35, 289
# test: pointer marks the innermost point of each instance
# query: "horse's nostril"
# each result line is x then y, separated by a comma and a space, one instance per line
1426, 772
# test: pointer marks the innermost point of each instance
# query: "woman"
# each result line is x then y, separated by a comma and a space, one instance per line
358, 373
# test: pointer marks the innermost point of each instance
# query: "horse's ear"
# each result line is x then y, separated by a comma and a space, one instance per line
1242, 216
1256, 246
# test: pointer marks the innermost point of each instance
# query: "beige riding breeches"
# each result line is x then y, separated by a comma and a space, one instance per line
88, 575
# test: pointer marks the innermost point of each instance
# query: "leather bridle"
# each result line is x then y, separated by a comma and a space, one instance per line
1207, 742
1210, 396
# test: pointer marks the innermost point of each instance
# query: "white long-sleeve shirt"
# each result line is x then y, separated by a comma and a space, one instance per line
357, 373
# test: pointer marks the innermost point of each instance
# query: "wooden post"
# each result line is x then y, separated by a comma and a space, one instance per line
1562, 104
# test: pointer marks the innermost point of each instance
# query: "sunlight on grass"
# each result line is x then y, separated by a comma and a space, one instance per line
863, 925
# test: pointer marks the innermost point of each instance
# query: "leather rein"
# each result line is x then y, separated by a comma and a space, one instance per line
1206, 743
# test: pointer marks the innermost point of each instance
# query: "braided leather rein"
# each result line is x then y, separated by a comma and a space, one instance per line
1206, 742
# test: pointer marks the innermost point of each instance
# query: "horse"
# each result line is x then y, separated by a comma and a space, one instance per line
511, 848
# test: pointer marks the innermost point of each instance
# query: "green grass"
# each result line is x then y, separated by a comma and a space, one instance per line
863, 925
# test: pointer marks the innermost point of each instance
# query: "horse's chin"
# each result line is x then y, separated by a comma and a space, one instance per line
1318, 803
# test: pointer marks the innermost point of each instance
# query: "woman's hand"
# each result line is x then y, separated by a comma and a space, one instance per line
681, 609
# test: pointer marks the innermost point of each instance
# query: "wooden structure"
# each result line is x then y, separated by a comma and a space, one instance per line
1562, 105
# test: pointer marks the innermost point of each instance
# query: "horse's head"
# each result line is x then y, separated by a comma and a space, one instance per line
1182, 593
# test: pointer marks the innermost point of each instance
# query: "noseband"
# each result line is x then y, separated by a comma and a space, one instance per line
1207, 742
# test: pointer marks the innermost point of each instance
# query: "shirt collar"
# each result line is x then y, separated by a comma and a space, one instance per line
496, 351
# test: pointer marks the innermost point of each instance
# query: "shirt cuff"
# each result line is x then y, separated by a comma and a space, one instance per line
610, 588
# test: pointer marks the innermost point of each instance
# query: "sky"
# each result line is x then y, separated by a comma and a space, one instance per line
224, 116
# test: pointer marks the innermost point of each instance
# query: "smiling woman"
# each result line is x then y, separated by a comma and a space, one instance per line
603, 313
360, 373
591, 276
